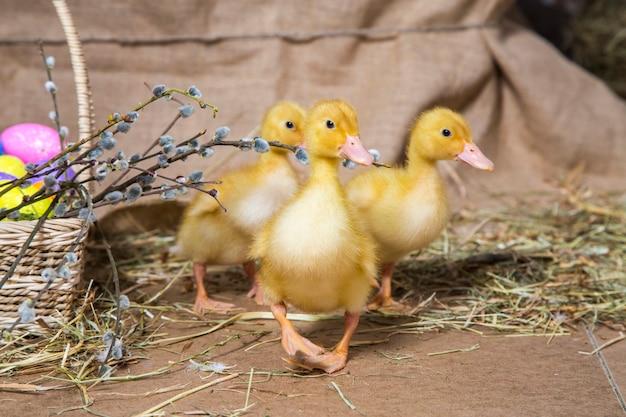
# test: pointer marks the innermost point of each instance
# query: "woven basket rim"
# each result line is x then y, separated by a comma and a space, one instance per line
27, 224
52, 235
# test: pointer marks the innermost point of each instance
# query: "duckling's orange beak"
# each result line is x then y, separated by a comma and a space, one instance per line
471, 155
354, 150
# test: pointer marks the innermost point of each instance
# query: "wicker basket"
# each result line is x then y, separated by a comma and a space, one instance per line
55, 238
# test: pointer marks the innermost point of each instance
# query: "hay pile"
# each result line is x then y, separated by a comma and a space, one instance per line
531, 270
525, 271
589, 32
598, 41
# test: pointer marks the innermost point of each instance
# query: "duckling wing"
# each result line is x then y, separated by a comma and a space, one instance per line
367, 189
250, 206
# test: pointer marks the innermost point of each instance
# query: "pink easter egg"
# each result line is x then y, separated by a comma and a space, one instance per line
31, 142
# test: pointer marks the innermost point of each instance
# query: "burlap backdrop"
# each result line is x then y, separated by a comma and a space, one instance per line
534, 113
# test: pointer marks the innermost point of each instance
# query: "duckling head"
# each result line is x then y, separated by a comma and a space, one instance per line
332, 131
442, 134
284, 122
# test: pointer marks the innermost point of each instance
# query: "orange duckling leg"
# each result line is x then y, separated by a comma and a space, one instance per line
203, 303
295, 345
335, 360
382, 300
255, 292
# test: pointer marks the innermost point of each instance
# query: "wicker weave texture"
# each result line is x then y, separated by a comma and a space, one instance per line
51, 243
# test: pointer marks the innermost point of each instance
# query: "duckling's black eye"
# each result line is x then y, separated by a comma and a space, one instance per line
330, 124
446, 133
289, 124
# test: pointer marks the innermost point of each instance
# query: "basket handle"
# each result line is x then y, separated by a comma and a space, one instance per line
86, 122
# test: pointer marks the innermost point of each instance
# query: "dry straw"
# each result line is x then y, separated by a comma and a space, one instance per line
597, 41
537, 271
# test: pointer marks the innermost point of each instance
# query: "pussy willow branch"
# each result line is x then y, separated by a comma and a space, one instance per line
156, 167
143, 156
277, 144
41, 194
152, 169
167, 129
72, 148
183, 155
183, 143
53, 93
173, 186
118, 309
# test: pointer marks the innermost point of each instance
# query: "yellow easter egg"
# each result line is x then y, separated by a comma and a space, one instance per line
15, 196
38, 208
11, 198
12, 165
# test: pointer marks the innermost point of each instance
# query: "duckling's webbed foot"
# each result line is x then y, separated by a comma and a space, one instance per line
328, 362
295, 345
387, 305
336, 360
298, 346
391, 307
203, 303
383, 302
208, 305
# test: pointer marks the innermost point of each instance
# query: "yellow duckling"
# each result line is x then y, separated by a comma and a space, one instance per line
406, 208
251, 194
312, 252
